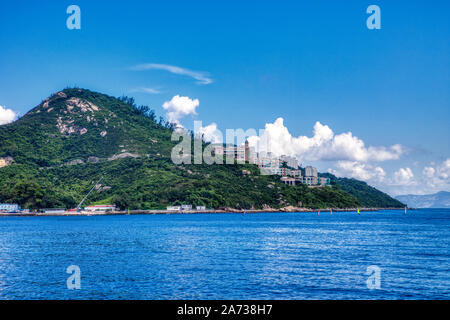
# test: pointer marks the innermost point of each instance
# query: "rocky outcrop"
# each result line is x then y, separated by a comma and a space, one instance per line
93, 160
101, 188
227, 209
83, 105
4, 162
75, 162
123, 155
291, 209
66, 127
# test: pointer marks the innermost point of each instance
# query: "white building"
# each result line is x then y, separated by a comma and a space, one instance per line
230, 151
200, 208
310, 181
311, 172
291, 162
296, 173
180, 208
269, 164
6, 207
243, 153
324, 181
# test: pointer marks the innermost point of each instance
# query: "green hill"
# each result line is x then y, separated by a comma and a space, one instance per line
368, 196
52, 155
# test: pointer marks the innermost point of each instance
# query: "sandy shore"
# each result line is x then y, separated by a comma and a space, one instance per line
225, 210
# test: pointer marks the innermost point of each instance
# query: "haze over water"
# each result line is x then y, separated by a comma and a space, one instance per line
228, 256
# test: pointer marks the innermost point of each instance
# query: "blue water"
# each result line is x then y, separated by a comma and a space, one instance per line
228, 256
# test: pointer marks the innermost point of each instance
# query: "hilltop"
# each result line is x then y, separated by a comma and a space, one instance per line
53, 154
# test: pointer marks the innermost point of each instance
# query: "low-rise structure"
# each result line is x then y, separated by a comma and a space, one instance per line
184, 207
290, 172
101, 208
7, 207
311, 178
289, 181
310, 181
324, 181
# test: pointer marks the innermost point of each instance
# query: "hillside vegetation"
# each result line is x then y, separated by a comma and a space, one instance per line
57, 151
368, 196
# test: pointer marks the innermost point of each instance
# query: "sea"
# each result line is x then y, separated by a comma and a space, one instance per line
341, 255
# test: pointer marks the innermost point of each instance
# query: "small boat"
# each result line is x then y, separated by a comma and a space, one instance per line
406, 208
331, 211
358, 211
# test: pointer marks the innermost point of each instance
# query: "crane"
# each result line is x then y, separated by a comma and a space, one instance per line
84, 199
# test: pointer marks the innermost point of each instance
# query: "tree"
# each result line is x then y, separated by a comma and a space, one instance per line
28, 193
123, 201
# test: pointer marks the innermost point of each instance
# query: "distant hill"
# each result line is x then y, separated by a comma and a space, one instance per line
54, 154
436, 200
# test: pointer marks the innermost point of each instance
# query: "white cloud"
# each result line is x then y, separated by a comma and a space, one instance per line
146, 90
180, 107
433, 178
348, 156
201, 77
428, 172
438, 176
404, 177
360, 171
323, 145
444, 170
210, 133
6, 115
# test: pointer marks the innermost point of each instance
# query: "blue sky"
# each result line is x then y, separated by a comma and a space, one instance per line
303, 61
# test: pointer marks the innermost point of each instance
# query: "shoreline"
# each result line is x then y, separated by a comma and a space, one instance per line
214, 211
